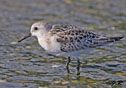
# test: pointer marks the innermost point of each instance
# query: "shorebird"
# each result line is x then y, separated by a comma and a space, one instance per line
67, 40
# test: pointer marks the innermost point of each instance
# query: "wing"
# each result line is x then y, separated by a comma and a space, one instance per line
73, 38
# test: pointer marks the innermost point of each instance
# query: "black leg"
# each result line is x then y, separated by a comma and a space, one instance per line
78, 66
67, 64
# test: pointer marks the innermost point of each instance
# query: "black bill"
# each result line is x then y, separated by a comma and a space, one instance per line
25, 37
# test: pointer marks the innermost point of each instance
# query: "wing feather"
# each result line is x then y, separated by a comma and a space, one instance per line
73, 38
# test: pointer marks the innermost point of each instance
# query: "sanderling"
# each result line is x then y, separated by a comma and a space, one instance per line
67, 40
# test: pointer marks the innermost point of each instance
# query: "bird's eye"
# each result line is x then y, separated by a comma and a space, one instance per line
35, 28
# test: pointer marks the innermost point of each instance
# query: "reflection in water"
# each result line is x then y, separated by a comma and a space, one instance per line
27, 65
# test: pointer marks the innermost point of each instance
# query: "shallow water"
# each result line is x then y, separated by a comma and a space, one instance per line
27, 65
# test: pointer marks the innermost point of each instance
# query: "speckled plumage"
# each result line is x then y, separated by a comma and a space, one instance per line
73, 38
67, 40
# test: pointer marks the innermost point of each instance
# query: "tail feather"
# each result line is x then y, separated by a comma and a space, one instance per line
110, 39
106, 40
115, 38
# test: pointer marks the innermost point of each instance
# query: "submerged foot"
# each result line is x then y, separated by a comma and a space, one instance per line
78, 66
67, 64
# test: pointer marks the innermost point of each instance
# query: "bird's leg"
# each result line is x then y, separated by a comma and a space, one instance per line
67, 64
78, 66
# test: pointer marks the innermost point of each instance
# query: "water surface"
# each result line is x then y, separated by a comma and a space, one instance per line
27, 65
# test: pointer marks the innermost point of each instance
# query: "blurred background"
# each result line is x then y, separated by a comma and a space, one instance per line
27, 65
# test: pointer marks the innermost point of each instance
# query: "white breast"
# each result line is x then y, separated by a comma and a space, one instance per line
50, 44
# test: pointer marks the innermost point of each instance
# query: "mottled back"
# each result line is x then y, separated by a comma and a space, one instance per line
73, 38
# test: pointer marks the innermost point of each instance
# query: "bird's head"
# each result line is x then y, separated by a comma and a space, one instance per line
38, 29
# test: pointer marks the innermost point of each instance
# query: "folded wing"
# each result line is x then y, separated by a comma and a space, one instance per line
73, 38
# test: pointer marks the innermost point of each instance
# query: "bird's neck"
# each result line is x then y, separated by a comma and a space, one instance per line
43, 40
